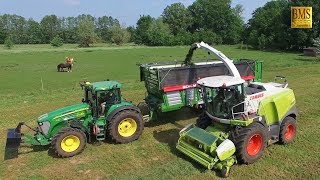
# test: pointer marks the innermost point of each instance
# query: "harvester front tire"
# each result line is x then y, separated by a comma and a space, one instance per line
126, 126
250, 142
68, 142
225, 172
203, 121
288, 130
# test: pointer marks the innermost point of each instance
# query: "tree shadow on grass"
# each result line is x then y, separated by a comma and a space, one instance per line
309, 59
12, 153
173, 116
170, 137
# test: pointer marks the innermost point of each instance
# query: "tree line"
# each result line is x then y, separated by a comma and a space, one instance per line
212, 21
83, 29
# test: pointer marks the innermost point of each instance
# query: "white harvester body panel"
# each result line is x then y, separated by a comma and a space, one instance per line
269, 89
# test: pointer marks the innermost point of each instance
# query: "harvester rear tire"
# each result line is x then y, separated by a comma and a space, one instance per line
288, 130
77, 136
250, 142
130, 119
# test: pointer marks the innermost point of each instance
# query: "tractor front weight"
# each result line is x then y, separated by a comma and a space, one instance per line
15, 137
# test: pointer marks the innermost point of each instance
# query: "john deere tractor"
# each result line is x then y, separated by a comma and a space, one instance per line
239, 120
103, 113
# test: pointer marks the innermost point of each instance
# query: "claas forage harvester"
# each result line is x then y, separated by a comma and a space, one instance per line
239, 120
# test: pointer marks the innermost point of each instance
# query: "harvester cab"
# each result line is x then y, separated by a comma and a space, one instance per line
103, 113
239, 120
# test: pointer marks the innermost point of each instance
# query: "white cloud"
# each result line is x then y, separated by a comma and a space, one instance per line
71, 2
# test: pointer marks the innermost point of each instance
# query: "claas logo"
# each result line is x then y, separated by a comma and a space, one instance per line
301, 17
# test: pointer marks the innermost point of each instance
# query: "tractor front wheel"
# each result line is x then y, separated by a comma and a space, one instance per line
126, 126
68, 142
250, 142
288, 130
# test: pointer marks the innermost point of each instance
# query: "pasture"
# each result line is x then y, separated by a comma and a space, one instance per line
31, 86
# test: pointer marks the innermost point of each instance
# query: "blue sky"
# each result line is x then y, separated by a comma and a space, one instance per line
127, 11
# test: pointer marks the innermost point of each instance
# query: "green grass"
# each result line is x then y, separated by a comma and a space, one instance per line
154, 155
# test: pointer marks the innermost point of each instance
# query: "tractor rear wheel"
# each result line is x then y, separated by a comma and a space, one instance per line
68, 142
126, 126
288, 130
250, 142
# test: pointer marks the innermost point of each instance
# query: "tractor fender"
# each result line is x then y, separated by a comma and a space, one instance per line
65, 124
76, 124
122, 108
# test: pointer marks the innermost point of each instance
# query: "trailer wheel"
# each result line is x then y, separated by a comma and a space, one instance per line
288, 130
126, 126
68, 142
250, 142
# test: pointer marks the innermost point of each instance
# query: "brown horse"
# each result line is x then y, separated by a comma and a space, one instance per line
61, 67
69, 64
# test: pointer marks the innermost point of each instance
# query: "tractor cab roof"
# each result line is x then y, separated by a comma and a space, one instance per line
219, 81
104, 85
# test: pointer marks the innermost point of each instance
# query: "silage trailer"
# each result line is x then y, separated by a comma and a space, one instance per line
172, 86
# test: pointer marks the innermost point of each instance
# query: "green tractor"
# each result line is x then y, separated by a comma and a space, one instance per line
103, 113
239, 120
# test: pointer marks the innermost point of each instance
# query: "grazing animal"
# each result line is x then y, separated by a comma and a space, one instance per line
61, 67
69, 60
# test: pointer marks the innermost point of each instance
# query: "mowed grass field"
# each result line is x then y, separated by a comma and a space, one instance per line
153, 156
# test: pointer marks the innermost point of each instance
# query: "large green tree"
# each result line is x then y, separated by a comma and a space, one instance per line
270, 26
86, 32
119, 35
177, 17
33, 32
103, 27
69, 32
159, 34
15, 26
50, 27
218, 17
143, 24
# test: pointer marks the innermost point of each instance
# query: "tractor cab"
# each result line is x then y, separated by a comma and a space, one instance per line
223, 95
101, 96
